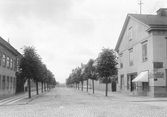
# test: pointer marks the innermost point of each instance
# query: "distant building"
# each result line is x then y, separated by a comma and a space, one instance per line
142, 49
9, 59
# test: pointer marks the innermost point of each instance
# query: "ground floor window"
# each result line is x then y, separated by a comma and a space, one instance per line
145, 86
122, 81
3, 82
7, 82
0, 82
11, 82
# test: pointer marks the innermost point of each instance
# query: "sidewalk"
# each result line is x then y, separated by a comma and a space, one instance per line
126, 97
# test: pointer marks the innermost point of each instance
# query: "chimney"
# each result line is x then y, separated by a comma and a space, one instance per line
162, 12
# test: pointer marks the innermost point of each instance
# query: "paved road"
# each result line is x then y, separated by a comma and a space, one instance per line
66, 102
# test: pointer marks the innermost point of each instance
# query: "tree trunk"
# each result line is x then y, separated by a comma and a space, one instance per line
29, 88
42, 86
78, 86
47, 86
106, 87
87, 85
37, 87
82, 85
93, 86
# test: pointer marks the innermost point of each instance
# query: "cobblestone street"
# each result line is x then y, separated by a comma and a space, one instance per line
68, 102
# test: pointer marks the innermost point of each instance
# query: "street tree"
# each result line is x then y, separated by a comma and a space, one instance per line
92, 72
106, 65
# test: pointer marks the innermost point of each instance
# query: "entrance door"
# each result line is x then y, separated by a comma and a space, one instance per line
131, 84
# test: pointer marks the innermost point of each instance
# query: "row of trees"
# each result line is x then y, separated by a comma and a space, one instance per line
103, 68
32, 68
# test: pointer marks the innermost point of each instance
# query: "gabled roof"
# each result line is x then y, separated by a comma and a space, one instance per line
153, 22
9, 47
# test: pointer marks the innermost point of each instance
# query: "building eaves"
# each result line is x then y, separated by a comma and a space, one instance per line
9, 47
147, 20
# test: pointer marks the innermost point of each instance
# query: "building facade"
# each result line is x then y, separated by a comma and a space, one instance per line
142, 51
9, 59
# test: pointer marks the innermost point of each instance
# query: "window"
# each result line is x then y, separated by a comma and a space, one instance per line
17, 64
11, 63
4, 60
131, 57
122, 81
121, 64
8, 62
11, 82
144, 52
0, 58
7, 82
0, 82
130, 34
14, 65
3, 82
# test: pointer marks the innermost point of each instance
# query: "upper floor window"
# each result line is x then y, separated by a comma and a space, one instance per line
144, 52
0, 58
121, 64
8, 62
130, 34
4, 60
131, 57
11, 63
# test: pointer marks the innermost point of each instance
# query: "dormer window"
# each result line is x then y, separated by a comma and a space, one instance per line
130, 33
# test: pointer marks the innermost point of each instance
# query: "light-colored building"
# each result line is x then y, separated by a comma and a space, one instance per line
142, 50
9, 58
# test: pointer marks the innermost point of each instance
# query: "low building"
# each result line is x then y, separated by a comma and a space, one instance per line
9, 59
142, 50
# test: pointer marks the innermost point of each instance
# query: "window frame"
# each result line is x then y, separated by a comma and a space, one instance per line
121, 63
11, 63
0, 58
4, 60
8, 62
131, 59
130, 33
3, 81
144, 52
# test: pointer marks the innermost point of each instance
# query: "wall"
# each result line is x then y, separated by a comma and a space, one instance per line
160, 55
4, 71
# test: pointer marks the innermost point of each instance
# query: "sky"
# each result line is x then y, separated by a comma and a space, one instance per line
67, 33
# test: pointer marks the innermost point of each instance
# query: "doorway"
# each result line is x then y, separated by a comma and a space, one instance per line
131, 85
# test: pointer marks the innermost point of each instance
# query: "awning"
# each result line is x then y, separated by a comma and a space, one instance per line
142, 77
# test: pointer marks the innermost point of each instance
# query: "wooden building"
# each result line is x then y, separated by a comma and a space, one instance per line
142, 50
